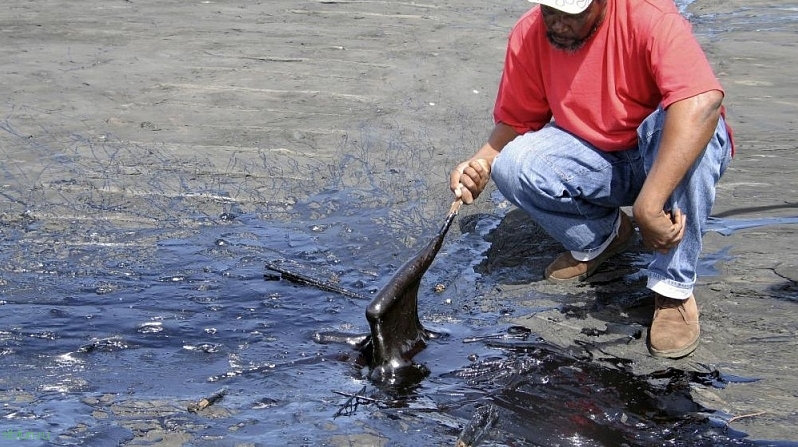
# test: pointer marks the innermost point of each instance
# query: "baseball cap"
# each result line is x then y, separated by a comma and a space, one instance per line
566, 6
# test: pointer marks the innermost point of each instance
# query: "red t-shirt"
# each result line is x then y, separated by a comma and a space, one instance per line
644, 54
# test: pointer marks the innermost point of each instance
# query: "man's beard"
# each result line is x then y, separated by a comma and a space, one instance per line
577, 44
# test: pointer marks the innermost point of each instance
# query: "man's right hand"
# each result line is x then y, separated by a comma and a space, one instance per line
469, 178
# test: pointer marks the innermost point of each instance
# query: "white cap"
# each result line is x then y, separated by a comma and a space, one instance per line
566, 6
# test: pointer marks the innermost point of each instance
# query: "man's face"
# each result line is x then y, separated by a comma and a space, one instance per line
569, 32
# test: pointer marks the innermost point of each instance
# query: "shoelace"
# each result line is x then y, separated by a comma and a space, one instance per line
667, 303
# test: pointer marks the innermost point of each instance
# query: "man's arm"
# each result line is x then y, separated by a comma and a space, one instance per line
470, 177
689, 125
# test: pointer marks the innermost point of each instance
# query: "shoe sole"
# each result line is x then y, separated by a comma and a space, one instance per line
684, 352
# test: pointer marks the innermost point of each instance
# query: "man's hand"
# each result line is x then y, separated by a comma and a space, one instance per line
663, 231
469, 178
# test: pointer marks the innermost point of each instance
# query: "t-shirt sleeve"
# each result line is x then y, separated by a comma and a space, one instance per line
678, 63
521, 100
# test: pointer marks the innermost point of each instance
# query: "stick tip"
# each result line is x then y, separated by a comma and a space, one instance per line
455, 206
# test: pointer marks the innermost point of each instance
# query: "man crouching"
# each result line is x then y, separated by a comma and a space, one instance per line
604, 104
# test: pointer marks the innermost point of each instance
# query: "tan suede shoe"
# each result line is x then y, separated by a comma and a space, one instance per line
567, 269
674, 331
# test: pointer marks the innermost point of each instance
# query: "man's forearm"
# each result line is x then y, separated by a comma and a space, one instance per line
499, 137
689, 125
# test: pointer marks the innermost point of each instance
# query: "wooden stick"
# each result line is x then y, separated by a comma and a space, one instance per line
202, 404
358, 395
318, 283
350, 406
749, 415
455, 206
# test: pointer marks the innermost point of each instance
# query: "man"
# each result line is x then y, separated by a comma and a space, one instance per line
604, 104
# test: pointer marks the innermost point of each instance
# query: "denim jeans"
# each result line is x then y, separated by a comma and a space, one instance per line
574, 191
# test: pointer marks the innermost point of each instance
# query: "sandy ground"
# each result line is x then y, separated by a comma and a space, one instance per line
110, 107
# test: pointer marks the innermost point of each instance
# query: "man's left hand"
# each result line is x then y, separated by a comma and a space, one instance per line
663, 231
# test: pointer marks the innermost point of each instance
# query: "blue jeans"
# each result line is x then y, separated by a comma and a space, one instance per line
574, 192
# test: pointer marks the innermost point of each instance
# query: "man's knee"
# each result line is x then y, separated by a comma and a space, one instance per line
514, 163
